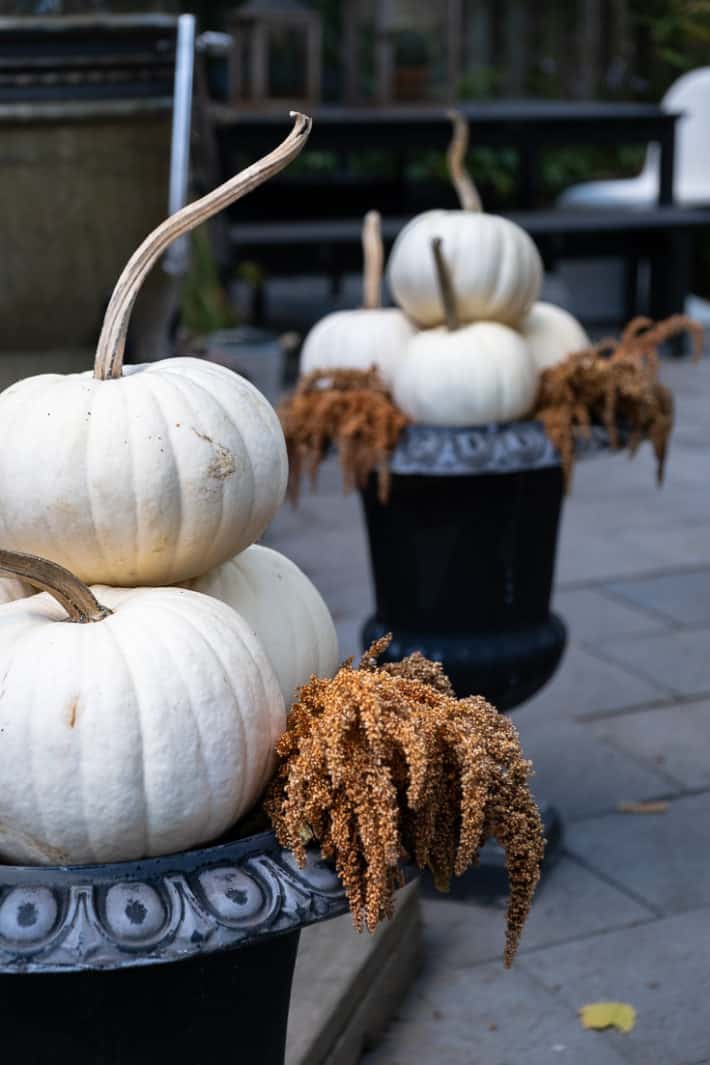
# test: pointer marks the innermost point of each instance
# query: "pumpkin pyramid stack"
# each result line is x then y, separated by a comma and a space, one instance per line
144, 689
469, 339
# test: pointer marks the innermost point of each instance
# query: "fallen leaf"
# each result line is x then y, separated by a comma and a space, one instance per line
642, 807
600, 1015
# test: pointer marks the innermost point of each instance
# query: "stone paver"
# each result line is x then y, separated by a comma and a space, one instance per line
663, 859
679, 661
674, 739
683, 598
660, 968
595, 617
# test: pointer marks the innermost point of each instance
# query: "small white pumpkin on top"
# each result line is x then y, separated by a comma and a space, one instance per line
465, 375
371, 335
284, 609
12, 588
146, 727
551, 334
495, 267
153, 475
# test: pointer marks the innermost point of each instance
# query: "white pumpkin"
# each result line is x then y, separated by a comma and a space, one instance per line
11, 589
140, 730
370, 335
465, 375
470, 376
284, 609
495, 266
552, 334
152, 476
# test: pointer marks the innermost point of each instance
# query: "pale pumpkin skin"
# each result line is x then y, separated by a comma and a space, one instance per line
357, 340
145, 479
495, 268
470, 376
551, 334
283, 608
144, 733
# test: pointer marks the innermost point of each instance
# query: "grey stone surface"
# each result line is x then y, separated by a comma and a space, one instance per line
679, 661
660, 968
681, 597
594, 617
674, 739
664, 859
571, 903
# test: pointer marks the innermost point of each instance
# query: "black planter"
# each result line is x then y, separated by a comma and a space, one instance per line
135, 963
463, 556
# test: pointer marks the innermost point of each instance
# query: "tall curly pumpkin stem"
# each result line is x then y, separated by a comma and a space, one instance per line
456, 159
109, 352
79, 601
446, 285
373, 258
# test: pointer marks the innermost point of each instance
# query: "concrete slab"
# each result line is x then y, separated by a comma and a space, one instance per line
571, 903
683, 598
660, 968
593, 617
678, 660
663, 859
487, 1016
674, 739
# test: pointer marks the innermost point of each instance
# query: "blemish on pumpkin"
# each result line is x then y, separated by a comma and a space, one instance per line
73, 712
222, 465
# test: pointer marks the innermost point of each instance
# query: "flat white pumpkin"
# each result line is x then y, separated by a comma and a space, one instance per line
495, 268
552, 334
470, 376
144, 732
284, 609
152, 476
357, 340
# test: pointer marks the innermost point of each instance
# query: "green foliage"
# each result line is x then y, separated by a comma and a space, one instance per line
204, 305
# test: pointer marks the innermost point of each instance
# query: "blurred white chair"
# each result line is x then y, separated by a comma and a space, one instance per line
691, 96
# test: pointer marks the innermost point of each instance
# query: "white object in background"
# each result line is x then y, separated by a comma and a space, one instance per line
690, 95
176, 258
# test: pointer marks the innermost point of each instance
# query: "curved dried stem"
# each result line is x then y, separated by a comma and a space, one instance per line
373, 260
456, 159
109, 352
446, 285
79, 601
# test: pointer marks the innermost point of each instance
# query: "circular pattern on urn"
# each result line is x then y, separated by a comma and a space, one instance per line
134, 912
318, 874
232, 894
28, 915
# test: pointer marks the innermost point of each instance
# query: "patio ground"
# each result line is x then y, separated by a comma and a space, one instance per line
625, 914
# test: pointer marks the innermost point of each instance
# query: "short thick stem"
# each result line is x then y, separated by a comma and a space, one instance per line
373, 256
446, 285
79, 601
109, 352
456, 159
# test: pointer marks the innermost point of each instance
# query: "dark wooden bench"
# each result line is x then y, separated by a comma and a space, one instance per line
659, 235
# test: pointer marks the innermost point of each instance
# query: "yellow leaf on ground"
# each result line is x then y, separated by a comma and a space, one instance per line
658, 807
599, 1015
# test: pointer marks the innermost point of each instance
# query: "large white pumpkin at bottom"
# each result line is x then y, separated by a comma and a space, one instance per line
470, 376
147, 732
357, 340
284, 609
551, 334
149, 478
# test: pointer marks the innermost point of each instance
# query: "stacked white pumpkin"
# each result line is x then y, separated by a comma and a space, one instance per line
147, 725
469, 338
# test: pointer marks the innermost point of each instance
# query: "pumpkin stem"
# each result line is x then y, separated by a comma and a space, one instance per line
373, 255
446, 285
456, 159
71, 593
109, 352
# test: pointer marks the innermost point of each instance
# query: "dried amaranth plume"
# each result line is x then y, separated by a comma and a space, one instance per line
381, 763
613, 383
349, 409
